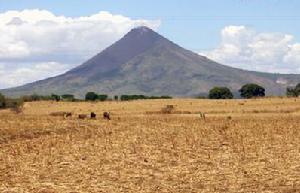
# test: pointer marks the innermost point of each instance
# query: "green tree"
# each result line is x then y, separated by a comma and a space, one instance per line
297, 88
116, 97
291, 92
124, 97
220, 93
102, 97
68, 97
14, 104
35, 97
55, 97
252, 90
91, 96
2, 101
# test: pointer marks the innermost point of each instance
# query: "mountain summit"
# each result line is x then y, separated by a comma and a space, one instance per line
134, 43
144, 62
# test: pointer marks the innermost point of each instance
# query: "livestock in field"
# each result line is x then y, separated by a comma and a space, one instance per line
168, 109
106, 115
61, 114
82, 116
93, 115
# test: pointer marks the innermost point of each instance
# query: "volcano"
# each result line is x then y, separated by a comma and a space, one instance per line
144, 62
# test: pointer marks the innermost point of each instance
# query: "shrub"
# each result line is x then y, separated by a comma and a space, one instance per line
166, 97
68, 97
220, 93
293, 91
138, 97
2, 101
91, 96
35, 97
116, 97
55, 97
102, 97
15, 104
252, 90
124, 97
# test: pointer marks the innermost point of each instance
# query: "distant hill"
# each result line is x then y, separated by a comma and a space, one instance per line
144, 62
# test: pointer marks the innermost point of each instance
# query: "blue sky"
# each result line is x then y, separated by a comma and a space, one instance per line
194, 24
260, 35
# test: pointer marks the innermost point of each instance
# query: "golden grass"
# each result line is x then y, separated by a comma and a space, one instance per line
241, 146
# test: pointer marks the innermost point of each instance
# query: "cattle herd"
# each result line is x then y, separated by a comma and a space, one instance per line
93, 115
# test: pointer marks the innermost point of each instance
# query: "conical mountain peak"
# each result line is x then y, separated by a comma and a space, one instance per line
135, 42
144, 62
143, 33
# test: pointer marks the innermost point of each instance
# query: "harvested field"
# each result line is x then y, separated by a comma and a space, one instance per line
240, 146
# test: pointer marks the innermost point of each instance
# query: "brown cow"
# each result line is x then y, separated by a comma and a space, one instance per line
61, 114
68, 114
93, 115
106, 115
82, 116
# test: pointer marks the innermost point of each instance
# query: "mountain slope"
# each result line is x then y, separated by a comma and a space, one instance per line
144, 62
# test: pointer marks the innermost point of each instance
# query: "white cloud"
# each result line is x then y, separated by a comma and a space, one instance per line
39, 36
245, 48
293, 55
26, 73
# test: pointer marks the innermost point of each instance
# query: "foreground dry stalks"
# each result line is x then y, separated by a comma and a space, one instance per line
256, 150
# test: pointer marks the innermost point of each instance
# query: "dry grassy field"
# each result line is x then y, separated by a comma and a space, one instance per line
240, 146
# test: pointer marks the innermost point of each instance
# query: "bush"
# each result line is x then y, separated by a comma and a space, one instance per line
143, 97
15, 104
2, 101
102, 97
55, 97
116, 97
293, 91
68, 97
35, 97
252, 90
91, 96
166, 97
220, 93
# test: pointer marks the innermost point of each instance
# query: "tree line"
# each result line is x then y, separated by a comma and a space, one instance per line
92, 96
6, 102
250, 90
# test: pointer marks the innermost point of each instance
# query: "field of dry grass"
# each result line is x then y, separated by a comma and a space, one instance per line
240, 146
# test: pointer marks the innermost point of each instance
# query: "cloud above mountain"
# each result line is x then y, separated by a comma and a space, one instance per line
38, 37
243, 47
